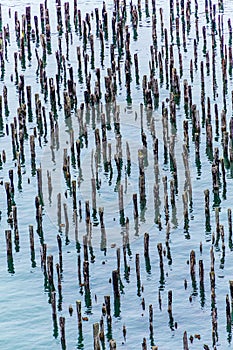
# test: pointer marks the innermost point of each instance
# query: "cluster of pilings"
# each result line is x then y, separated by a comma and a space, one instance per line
81, 74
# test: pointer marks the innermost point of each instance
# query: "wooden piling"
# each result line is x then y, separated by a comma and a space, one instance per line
185, 341
62, 331
96, 336
137, 262
146, 244
144, 344
79, 314
112, 344
107, 308
59, 242
32, 246
115, 282
9, 251
192, 264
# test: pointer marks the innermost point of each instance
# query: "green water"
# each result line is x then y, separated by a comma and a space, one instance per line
26, 317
